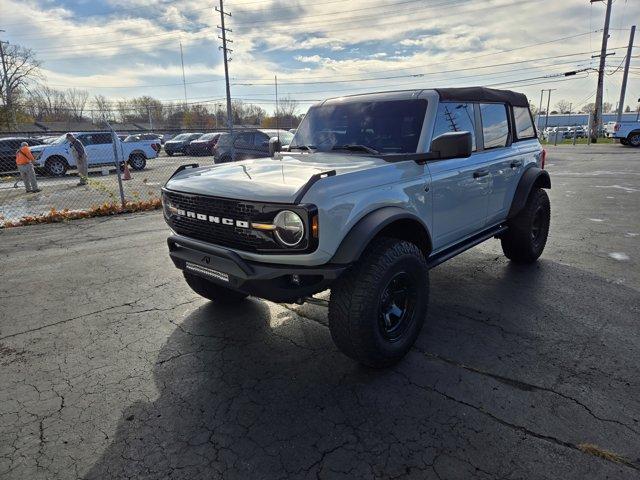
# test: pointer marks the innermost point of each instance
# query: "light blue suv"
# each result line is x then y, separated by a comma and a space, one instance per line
372, 192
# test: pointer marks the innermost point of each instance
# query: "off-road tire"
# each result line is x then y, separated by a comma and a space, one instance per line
356, 321
526, 237
213, 291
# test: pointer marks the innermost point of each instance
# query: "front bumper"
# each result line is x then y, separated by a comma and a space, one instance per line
278, 283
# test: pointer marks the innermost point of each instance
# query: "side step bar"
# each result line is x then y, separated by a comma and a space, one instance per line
443, 256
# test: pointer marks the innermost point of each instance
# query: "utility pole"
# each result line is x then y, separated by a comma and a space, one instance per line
597, 114
225, 51
184, 79
546, 121
540, 108
277, 112
625, 76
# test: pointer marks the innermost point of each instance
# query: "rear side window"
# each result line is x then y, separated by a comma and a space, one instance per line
495, 125
524, 123
455, 117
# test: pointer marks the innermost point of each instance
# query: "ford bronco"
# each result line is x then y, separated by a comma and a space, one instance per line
372, 192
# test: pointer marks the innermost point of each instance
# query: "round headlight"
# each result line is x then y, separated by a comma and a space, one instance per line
289, 228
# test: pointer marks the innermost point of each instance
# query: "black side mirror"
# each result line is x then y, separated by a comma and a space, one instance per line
274, 146
452, 145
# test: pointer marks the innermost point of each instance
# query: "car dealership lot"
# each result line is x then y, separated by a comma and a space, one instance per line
113, 368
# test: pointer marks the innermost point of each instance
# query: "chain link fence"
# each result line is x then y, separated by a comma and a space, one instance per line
123, 171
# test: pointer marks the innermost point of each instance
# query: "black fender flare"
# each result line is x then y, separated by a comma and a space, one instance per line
366, 229
532, 177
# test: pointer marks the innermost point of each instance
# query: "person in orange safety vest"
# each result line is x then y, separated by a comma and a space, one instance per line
24, 161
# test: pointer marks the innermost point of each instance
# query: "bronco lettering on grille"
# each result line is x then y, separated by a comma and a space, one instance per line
213, 219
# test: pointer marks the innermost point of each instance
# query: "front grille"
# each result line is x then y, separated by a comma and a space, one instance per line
230, 236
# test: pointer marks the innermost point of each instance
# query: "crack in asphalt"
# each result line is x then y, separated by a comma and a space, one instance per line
521, 385
520, 428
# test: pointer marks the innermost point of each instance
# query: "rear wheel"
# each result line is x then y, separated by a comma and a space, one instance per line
378, 306
138, 161
634, 139
526, 237
56, 166
213, 291
624, 141
169, 153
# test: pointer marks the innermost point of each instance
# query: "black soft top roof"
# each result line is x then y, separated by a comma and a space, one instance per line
483, 94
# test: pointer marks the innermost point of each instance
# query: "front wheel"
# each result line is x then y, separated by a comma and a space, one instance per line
527, 235
634, 139
56, 166
213, 291
379, 305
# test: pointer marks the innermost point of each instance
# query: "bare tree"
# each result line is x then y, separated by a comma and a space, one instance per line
76, 101
48, 104
287, 112
21, 67
103, 108
563, 106
588, 107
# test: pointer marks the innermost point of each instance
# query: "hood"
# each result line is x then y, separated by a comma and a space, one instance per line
174, 142
38, 148
267, 179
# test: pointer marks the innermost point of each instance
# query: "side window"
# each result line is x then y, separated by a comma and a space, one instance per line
101, 138
259, 139
455, 117
244, 140
495, 125
85, 139
524, 123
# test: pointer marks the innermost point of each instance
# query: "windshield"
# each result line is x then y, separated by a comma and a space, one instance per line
61, 139
208, 136
386, 126
182, 136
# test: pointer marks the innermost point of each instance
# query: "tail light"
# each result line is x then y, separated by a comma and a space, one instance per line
543, 158
156, 147
616, 127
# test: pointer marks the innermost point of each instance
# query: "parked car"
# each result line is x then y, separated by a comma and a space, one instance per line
56, 158
628, 133
609, 129
404, 181
8, 148
179, 143
243, 144
152, 138
204, 145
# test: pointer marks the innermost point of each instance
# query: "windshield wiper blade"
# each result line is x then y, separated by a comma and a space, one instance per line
356, 147
303, 147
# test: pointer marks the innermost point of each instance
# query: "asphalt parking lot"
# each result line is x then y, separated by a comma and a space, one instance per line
113, 368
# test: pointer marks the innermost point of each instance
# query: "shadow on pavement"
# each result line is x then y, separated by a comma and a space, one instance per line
254, 391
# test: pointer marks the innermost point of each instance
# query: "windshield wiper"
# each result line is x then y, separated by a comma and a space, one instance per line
303, 147
356, 148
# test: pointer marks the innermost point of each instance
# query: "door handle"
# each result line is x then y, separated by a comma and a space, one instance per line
516, 163
480, 173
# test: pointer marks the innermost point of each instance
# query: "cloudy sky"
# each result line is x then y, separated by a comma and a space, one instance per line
127, 48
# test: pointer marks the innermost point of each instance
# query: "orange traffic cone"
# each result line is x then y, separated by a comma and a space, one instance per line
127, 173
